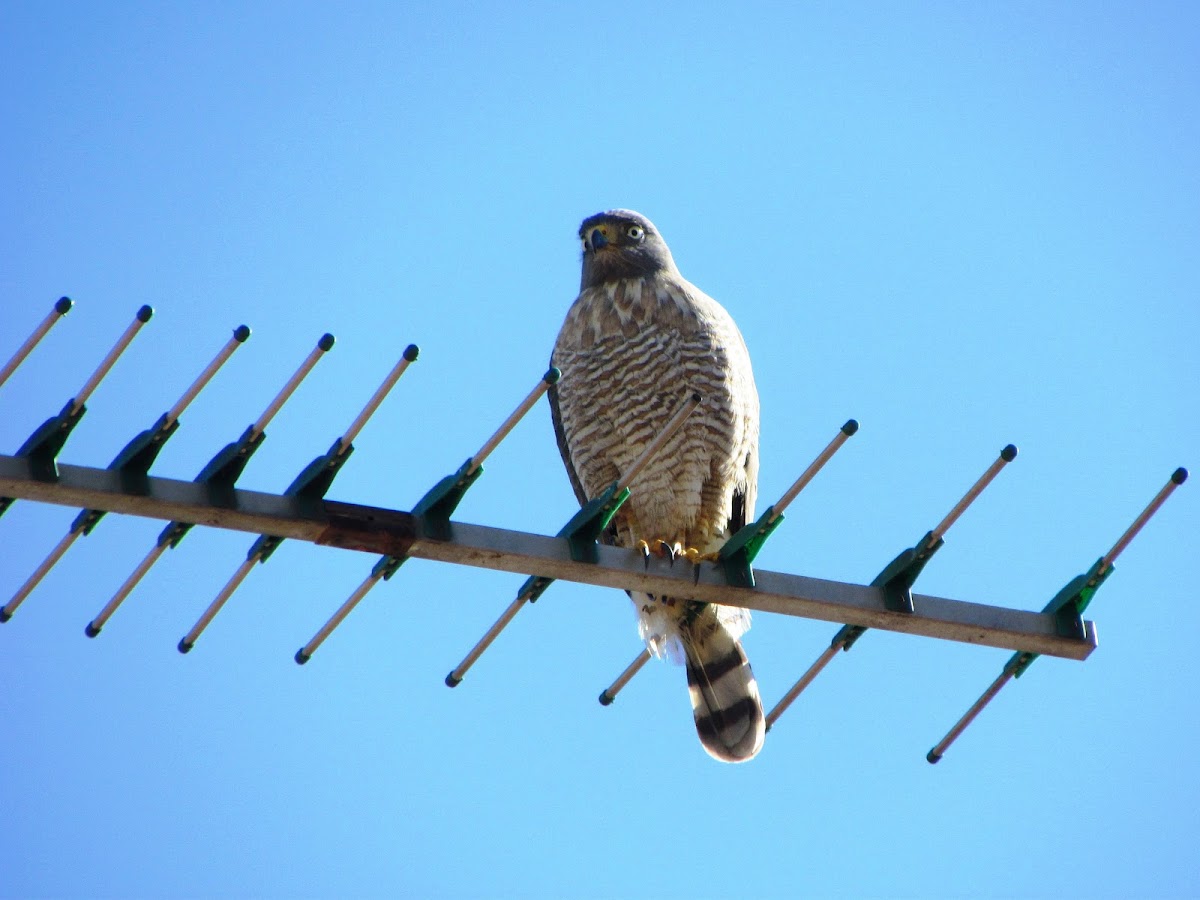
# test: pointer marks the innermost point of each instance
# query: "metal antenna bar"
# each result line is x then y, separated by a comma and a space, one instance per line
398, 533
410, 354
143, 316
846, 432
805, 680
39, 573
458, 672
1178, 477
1007, 455
240, 335
189, 640
672, 426
304, 654
961, 725
609, 694
323, 346
510, 423
61, 308
94, 626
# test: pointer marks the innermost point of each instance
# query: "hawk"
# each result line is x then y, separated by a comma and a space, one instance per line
639, 339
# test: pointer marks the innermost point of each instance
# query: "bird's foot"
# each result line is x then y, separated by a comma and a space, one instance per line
667, 550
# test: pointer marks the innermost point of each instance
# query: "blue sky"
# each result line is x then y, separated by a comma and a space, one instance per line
961, 225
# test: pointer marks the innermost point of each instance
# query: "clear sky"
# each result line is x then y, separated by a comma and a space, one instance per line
961, 224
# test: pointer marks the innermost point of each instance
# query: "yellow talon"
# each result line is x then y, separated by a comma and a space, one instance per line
695, 557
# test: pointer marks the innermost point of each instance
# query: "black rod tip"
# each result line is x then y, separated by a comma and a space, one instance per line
411, 352
326, 342
91, 630
1179, 476
5, 615
63, 305
1009, 453
452, 681
185, 646
301, 657
241, 334
145, 313
696, 397
850, 427
932, 758
552, 375
606, 698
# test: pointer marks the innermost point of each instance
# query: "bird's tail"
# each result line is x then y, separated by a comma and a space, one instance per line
725, 699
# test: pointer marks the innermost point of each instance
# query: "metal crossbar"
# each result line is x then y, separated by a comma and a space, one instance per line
396, 533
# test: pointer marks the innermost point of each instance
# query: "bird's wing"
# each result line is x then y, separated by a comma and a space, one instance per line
564, 448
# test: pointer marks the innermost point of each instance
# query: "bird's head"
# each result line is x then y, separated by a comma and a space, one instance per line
621, 243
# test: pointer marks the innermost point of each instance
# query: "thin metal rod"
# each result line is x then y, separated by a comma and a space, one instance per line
661, 438
1007, 455
61, 308
39, 573
143, 316
457, 673
609, 694
685, 409
226, 592
960, 726
239, 337
124, 590
510, 423
1178, 477
281, 398
306, 652
805, 680
410, 354
846, 432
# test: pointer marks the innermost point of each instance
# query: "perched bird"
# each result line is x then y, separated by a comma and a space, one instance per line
638, 340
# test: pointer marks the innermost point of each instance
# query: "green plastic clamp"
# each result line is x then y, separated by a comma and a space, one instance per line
309, 487
219, 475
582, 531
440, 501
1067, 607
896, 579
736, 555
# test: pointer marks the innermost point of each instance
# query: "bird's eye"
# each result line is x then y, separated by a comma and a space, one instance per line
635, 232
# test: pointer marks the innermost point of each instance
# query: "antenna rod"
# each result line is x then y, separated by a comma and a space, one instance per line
94, 626
534, 586
847, 431
323, 346
61, 308
668, 431
551, 377
609, 694
240, 335
805, 680
410, 354
142, 317
896, 578
1178, 477
1072, 599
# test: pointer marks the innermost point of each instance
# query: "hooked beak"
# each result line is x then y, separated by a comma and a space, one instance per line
597, 239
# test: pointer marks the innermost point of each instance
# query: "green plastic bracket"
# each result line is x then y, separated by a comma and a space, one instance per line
45, 444
736, 555
1067, 607
133, 462
582, 531
440, 501
896, 579
309, 487
219, 475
